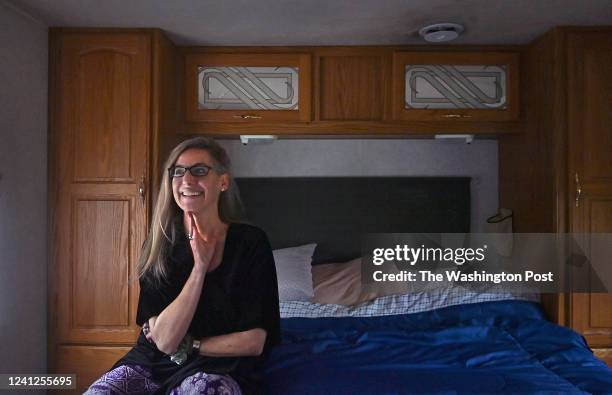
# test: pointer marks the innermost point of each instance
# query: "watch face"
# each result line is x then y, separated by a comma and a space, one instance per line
179, 357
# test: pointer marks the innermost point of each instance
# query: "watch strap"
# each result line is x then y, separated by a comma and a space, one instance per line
195, 347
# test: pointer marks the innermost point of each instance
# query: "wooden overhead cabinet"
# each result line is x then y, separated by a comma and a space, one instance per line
352, 85
459, 86
242, 87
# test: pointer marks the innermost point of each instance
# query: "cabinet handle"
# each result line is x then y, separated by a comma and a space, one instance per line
456, 116
141, 189
247, 116
578, 190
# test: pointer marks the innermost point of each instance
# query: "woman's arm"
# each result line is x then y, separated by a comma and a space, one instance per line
235, 344
172, 323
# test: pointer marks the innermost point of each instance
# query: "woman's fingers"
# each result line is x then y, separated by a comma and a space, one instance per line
203, 251
191, 227
198, 227
203, 246
147, 329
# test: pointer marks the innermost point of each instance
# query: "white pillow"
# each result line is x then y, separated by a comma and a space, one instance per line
293, 270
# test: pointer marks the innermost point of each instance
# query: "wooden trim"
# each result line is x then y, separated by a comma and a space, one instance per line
356, 128
348, 50
164, 109
101, 30
605, 354
53, 184
528, 163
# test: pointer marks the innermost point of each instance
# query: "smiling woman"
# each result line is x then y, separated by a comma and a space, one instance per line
208, 301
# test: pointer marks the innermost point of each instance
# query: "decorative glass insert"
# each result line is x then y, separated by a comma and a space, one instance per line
247, 88
459, 86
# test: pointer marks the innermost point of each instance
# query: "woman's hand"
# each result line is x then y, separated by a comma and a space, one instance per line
203, 247
147, 329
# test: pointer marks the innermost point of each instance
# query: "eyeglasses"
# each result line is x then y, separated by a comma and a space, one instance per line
198, 170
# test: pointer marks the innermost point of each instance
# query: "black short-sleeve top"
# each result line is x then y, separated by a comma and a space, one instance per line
240, 294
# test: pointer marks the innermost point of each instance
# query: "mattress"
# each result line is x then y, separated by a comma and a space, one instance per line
500, 347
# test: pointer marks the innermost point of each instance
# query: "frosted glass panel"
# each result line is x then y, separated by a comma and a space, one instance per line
247, 88
460, 86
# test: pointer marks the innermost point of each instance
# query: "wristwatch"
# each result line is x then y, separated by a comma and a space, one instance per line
183, 350
188, 346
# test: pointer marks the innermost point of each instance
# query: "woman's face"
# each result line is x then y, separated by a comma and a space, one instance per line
198, 194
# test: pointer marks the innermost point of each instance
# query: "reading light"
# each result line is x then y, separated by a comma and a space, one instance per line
468, 137
260, 138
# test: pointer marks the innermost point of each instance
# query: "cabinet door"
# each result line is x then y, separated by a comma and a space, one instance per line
98, 164
247, 87
352, 86
457, 86
89, 363
590, 165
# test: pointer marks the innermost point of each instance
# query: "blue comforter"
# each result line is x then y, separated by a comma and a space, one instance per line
488, 348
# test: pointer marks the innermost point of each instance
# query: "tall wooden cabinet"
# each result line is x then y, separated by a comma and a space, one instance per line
557, 176
589, 72
103, 135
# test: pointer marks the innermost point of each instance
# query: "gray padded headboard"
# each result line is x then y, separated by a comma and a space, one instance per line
335, 211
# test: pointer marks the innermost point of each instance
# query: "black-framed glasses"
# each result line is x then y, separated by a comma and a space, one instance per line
197, 170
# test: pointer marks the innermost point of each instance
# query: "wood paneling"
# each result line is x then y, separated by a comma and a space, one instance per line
100, 279
528, 162
104, 80
351, 87
600, 218
103, 113
78, 360
590, 101
530, 182
165, 108
592, 312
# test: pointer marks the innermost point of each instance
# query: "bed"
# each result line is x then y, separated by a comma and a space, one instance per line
448, 340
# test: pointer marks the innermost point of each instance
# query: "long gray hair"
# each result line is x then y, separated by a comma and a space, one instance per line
167, 216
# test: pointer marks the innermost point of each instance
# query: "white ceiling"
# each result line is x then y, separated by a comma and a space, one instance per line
323, 22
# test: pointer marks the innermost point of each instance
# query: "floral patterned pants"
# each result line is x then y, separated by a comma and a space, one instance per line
135, 379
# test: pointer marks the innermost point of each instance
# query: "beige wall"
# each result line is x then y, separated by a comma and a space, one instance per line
23, 192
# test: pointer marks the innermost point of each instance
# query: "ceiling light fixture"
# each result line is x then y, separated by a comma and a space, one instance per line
441, 32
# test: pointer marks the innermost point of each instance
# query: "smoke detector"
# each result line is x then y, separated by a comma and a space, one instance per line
441, 32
